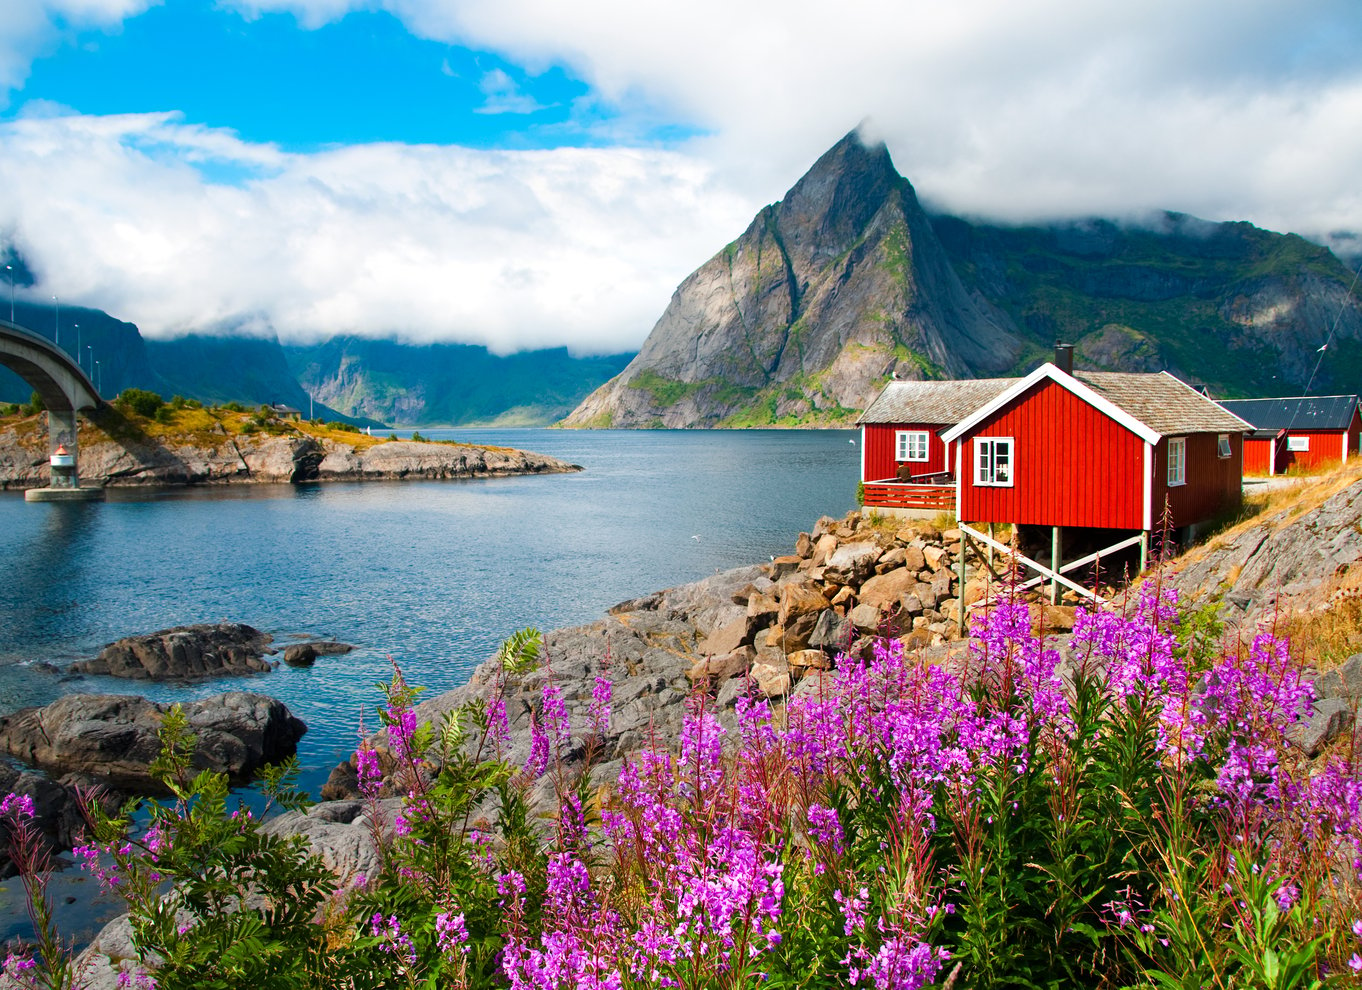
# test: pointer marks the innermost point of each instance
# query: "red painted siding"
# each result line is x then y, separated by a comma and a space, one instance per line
1326, 450
1072, 465
880, 447
1258, 457
1355, 435
1213, 483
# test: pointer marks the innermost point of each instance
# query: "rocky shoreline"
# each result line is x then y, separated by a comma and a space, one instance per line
262, 459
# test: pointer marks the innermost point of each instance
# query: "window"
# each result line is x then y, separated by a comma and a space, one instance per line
993, 461
1177, 461
912, 445
1298, 443
1222, 446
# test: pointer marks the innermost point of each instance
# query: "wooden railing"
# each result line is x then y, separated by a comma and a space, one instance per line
905, 495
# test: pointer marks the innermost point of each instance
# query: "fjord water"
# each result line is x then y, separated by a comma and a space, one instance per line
431, 574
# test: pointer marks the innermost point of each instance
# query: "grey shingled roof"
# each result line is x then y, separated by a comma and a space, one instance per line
944, 403
1302, 412
1165, 404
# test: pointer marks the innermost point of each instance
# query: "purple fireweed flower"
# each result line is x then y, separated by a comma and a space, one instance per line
538, 761
16, 964
90, 859
137, 979
498, 724
394, 940
598, 714
824, 827
451, 933
367, 771
17, 806
553, 715
401, 721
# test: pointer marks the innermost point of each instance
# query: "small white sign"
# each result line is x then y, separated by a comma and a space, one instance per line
1297, 443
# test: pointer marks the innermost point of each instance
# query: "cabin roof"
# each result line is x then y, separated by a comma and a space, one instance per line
1300, 412
1149, 405
943, 403
1163, 402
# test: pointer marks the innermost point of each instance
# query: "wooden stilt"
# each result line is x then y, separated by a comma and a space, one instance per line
964, 548
1144, 551
1055, 541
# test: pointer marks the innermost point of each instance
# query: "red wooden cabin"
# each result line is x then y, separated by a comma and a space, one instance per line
1304, 432
905, 466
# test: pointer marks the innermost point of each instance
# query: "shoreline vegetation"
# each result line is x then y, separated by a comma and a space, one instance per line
1124, 803
142, 440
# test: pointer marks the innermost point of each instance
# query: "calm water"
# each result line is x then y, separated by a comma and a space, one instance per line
433, 574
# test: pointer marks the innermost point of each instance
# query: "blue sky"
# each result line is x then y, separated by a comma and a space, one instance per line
526, 173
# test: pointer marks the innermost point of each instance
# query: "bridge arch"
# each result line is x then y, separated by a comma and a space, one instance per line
59, 381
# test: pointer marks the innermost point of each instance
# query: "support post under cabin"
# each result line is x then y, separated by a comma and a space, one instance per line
1055, 542
1144, 551
960, 599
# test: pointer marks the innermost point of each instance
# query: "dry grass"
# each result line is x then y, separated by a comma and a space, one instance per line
1326, 626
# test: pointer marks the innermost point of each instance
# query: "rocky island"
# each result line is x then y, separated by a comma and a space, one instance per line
185, 443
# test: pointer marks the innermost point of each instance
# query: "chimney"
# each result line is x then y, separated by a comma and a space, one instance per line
1064, 358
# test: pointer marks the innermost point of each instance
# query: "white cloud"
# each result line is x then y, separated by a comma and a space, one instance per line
31, 28
510, 249
1241, 109
504, 95
1227, 109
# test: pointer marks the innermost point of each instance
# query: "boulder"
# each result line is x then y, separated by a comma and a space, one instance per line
772, 681
785, 565
866, 618
844, 597
721, 668
934, 556
798, 599
300, 655
1344, 681
890, 559
726, 638
833, 632
883, 590
1052, 618
1331, 718
184, 653
853, 562
911, 605
804, 546
823, 549
809, 660
113, 738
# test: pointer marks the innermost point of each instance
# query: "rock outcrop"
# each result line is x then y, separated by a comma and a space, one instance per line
184, 653
1269, 565
803, 317
113, 738
260, 459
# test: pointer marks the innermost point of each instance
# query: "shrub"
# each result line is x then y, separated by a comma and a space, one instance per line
140, 402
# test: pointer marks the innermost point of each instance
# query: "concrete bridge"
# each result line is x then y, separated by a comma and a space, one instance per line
65, 390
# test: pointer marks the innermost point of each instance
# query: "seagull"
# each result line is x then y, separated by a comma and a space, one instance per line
851, 440
695, 538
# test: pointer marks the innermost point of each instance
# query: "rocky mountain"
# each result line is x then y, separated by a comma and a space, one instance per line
822, 298
1239, 308
847, 282
447, 384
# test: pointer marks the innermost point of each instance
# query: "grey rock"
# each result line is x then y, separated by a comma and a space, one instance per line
187, 653
833, 632
113, 738
1330, 719
1344, 681
301, 655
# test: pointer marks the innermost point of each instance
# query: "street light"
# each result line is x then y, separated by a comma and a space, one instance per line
77, 345
10, 269
89, 358
56, 331
99, 379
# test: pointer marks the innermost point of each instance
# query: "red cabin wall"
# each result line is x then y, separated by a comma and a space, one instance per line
1072, 465
1258, 457
1326, 450
1355, 435
880, 447
1213, 484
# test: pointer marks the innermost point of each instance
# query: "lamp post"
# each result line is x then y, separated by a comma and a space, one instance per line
77, 345
56, 321
10, 269
99, 380
90, 357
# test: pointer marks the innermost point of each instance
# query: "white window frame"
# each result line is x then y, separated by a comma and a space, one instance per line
986, 450
1222, 446
1298, 445
912, 445
1177, 461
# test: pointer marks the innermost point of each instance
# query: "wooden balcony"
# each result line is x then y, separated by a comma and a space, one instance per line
920, 494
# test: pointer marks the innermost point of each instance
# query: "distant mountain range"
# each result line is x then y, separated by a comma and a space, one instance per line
848, 282
368, 382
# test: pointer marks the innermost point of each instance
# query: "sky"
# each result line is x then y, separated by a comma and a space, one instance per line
533, 173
